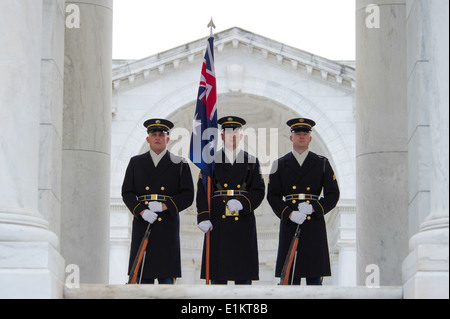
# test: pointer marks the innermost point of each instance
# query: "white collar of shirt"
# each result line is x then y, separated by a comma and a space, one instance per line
232, 155
157, 157
300, 157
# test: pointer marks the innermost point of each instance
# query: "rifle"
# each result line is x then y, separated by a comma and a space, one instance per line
132, 279
292, 252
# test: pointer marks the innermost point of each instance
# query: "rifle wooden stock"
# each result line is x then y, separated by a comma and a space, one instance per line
287, 267
132, 279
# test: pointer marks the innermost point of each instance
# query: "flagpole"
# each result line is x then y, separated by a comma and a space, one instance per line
208, 234
211, 26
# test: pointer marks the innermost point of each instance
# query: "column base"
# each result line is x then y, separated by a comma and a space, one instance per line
31, 270
30, 263
427, 285
425, 270
425, 273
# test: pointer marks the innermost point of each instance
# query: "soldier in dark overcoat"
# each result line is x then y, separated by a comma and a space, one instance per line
296, 183
157, 187
238, 189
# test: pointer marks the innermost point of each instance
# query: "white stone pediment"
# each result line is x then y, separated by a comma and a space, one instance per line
341, 74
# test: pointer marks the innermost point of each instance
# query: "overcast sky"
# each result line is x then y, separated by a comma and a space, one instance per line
322, 27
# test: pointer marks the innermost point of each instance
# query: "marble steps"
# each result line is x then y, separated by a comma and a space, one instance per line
97, 291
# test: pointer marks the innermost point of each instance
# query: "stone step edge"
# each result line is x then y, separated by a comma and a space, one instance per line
98, 291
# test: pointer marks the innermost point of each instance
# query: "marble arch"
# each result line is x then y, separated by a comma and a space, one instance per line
289, 102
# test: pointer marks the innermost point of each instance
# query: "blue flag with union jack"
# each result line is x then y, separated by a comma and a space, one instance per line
204, 130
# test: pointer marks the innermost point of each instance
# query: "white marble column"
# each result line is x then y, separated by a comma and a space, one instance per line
86, 140
30, 264
425, 270
381, 139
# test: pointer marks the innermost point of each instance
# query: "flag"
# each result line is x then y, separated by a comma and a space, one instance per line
204, 130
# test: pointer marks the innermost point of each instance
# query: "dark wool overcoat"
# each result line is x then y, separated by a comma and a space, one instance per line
314, 177
171, 178
234, 245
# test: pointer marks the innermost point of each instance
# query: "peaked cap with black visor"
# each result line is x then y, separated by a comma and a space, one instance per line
158, 125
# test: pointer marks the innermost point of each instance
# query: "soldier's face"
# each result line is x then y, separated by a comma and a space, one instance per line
301, 139
158, 141
231, 138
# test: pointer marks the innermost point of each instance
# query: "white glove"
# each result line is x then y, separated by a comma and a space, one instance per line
298, 217
149, 216
306, 208
155, 207
205, 226
234, 205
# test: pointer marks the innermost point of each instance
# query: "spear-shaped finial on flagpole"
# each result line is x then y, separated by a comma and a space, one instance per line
211, 26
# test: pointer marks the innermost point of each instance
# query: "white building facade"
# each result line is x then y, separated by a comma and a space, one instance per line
263, 81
